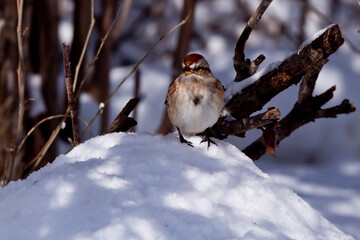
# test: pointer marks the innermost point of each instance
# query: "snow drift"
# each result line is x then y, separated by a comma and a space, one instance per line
129, 186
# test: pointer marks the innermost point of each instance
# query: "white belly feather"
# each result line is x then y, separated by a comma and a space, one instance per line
194, 118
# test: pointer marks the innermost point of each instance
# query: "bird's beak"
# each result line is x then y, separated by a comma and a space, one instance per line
188, 72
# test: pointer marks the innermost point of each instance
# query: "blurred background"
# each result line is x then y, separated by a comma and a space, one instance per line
320, 161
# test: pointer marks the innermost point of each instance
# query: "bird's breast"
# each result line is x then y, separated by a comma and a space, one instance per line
194, 107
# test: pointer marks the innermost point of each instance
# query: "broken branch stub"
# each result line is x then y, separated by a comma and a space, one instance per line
123, 122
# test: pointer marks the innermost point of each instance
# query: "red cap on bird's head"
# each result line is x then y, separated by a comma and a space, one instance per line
194, 60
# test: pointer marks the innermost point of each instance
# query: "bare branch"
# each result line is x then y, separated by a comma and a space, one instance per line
344, 108
91, 64
122, 122
308, 83
303, 112
289, 72
245, 68
34, 163
21, 72
298, 116
70, 95
21, 88
235, 127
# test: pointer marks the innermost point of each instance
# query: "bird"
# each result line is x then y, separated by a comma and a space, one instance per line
194, 99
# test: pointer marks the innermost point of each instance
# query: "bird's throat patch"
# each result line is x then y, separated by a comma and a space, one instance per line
197, 100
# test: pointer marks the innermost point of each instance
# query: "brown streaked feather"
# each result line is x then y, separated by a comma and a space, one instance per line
172, 88
219, 86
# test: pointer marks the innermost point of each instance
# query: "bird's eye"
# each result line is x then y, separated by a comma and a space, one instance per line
186, 69
198, 68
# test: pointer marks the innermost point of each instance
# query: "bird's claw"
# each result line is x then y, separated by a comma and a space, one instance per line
183, 140
208, 140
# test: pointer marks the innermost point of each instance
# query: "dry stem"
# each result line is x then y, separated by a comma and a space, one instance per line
91, 64
70, 95
21, 86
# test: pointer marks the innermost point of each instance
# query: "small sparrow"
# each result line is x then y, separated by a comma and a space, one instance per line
195, 98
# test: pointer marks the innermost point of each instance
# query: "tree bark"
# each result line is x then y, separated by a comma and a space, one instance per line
46, 57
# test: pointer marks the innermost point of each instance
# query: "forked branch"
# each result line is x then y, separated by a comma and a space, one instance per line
289, 72
246, 68
308, 108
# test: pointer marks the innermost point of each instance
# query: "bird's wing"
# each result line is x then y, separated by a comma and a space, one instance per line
219, 86
171, 90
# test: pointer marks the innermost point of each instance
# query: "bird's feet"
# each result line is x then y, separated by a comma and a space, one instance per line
208, 140
183, 140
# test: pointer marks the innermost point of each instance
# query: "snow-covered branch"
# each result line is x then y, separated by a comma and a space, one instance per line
305, 66
289, 72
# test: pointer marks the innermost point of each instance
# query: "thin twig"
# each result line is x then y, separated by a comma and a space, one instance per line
91, 64
20, 71
36, 161
77, 69
133, 70
21, 85
45, 120
33, 164
37, 125
70, 95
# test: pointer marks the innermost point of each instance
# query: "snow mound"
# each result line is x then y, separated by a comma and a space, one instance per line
129, 186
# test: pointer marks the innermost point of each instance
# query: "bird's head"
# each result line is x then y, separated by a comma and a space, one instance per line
195, 63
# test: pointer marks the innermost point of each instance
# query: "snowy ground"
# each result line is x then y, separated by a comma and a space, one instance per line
320, 161
329, 145
330, 187
126, 186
